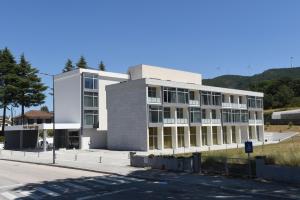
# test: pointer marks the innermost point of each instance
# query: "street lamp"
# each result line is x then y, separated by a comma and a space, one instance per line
53, 118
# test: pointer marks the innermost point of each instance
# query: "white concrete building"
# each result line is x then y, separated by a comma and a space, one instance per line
164, 109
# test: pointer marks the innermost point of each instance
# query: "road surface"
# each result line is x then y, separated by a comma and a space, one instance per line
30, 181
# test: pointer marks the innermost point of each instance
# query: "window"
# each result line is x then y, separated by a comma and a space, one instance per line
213, 114
192, 95
223, 98
231, 99
151, 92
250, 133
193, 136
233, 134
244, 116
90, 81
195, 115
179, 113
90, 99
204, 114
180, 136
251, 102
91, 117
206, 98
153, 138
236, 116
258, 102
215, 135
240, 99
204, 135
155, 114
167, 112
257, 133
224, 130
183, 96
216, 99
169, 95
226, 115
167, 137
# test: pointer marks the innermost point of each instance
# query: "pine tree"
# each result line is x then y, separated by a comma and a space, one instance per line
30, 87
102, 66
81, 63
8, 78
44, 108
68, 66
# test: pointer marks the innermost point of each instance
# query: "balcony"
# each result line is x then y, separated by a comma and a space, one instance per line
206, 121
154, 100
182, 121
251, 121
216, 121
194, 103
169, 121
256, 121
234, 105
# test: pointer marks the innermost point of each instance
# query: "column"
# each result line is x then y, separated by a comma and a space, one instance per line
220, 135
238, 134
44, 140
198, 136
229, 134
209, 136
187, 138
160, 138
174, 138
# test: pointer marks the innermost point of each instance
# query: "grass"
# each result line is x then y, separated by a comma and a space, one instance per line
282, 128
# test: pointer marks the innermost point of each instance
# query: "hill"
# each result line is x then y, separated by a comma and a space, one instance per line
244, 82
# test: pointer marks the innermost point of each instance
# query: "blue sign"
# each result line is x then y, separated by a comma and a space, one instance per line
248, 147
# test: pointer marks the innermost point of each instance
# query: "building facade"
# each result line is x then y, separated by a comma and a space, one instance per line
165, 109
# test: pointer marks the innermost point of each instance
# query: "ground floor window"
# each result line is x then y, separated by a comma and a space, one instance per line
91, 117
180, 136
167, 137
224, 130
153, 138
215, 135
257, 133
193, 136
250, 133
233, 134
204, 135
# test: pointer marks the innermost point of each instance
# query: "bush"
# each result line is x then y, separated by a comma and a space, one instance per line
1, 138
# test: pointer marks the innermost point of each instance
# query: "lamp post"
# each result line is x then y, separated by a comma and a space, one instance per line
53, 118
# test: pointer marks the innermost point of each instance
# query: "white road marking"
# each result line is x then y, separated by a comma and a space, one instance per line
80, 187
105, 194
104, 182
115, 179
128, 178
8, 186
9, 196
29, 194
48, 192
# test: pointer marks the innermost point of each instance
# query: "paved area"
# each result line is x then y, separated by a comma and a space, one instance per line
30, 181
277, 137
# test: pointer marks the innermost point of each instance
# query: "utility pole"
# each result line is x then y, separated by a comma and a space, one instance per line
291, 58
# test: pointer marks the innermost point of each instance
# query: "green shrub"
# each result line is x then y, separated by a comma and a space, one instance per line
1, 138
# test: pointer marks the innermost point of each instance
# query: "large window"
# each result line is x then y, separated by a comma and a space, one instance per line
215, 135
151, 92
213, 114
91, 99
90, 81
204, 114
216, 99
244, 116
231, 99
180, 136
224, 130
233, 134
192, 95
226, 115
167, 113
259, 102
251, 102
204, 135
180, 113
91, 117
155, 114
169, 95
153, 138
167, 137
236, 116
195, 115
206, 98
193, 136
183, 95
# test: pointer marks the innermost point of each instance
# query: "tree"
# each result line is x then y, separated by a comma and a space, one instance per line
44, 108
82, 63
8, 79
30, 87
68, 66
102, 66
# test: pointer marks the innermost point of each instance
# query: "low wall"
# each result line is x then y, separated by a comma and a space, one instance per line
277, 173
189, 164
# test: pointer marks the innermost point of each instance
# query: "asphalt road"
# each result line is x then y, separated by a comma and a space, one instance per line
30, 181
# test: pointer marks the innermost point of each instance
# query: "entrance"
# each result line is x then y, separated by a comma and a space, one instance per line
73, 139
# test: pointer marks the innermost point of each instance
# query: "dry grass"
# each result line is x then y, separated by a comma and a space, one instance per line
285, 153
282, 128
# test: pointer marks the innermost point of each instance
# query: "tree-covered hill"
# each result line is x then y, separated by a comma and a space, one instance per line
281, 85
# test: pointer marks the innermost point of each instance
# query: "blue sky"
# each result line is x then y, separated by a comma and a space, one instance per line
211, 37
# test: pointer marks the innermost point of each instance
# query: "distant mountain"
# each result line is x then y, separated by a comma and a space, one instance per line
243, 82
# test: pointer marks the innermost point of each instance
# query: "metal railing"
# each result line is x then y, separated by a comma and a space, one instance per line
194, 102
182, 121
216, 121
169, 121
234, 105
206, 121
154, 100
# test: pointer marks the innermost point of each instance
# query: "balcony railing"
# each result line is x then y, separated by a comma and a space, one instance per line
169, 121
206, 121
251, 121
155, 100
194, 102
216, 121
182, 121
255, 121
259, 121
234, 105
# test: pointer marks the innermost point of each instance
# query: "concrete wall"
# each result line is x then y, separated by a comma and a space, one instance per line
127, 116
93, 139
68, 97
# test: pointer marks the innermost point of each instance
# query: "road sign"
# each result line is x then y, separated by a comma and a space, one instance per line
248, 147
